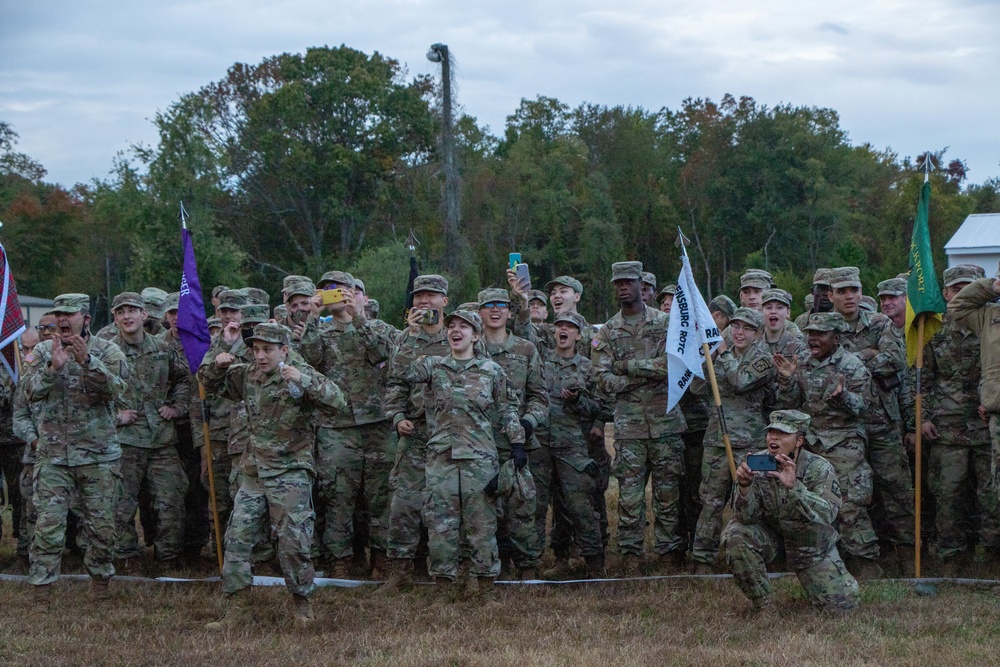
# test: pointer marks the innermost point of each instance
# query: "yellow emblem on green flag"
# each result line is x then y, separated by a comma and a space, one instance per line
923, 294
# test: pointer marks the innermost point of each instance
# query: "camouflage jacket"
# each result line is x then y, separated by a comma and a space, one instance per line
7, 437
951, 378
791, 343
219, 408
543, 335
570, 421
522, 364
464, 402
76, 421
157, 377
837, 418
746, 384
281, 427
879, 344
354, 355
803, 515
403, 401
640, 394
25, 417
977, 307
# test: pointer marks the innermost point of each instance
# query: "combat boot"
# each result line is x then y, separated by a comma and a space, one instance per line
444, 591
400, 576
631, 565
670, 563
595, 567
528, 573
40, 600
864, 569
701, 569
470, 586
560, 570
763, 608
99, 589
304, 617
340, 568
237, 614
379, 563
905, 560
420, 572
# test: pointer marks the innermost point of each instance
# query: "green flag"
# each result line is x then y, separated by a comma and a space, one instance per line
923, 294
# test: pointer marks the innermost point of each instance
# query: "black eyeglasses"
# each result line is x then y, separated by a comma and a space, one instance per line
42, 328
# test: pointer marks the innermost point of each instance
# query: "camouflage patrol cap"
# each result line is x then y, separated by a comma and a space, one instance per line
281, 312
372, 309
127, 299
723, 304
271, 332
789, 421
845, 276
70, 303
430, 283
667, 289
539, 295
892, 287
214, 323
809, 301
626, 271
470, 316
821, 277
472, 306
903, 276
821, 322
219, 288
649, 279
758, 278
493, 294
358, 284
154, 299
564, 281
341, 278
301, 287
288, 281
255, 313
173, 302
233, 299
776, 294
868, 303
750, 316
257, 296
575, 319
963, 273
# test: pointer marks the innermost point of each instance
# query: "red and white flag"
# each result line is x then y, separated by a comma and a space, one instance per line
11, 318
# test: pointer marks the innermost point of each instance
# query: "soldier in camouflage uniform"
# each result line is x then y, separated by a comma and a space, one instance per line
407, 479
352, 457
752, 286
10, 450
629, 360
25, 430
465, 399
958, 440
158, 392
794, 511
834, 388
820, 298
745, 375
76, 380
538, 306
516, 535
780, 335
649, 289
880, 346
277, 467
721, 308
665, 298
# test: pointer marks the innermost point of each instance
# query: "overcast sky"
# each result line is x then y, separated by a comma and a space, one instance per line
80, 81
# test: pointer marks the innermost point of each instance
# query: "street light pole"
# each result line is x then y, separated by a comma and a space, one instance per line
453, 212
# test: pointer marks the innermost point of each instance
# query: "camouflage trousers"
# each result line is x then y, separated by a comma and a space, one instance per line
98, 486
461, 521
750, 548
408, 483
352, 469
162, 470
561, 482
562, 537
28, 513
284, 503
893, 511
857, 537
516, 536
694, 453
954, 469
636, 461
715, 489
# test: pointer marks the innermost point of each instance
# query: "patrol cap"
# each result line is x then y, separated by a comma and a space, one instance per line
576, 319
667, 289
845, 276
649, 279
430, 283
789, 421
472, 306
905, 276
492, 294
537, 294
70, 303
271, 332
257, 296
470, 316
341, 278
775, 294
255, 313
758, 278
963, 273
832, 321
288, 281
154, 298
214, 323
565, 281
868, 303
809, 301
234, 299
821, 277
127, 299
358, 284
750, 316
280, 312
373, 308
626, 271
302, 287
173, 302
219, 288
723, 304
892, 287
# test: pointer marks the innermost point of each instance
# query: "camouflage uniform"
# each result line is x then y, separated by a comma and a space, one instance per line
837, 432
277, 467
799, 521
77, 449
543, 335
25, 427
630, 364
10, 452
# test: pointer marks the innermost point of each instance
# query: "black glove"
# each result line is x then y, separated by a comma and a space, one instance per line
592, 470
519, 456
528, 429
491, 486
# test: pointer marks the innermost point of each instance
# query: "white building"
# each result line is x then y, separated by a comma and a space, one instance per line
32, 308
977, 241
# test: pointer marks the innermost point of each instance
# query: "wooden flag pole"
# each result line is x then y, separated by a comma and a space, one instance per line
718, 408
919, 444
211, 475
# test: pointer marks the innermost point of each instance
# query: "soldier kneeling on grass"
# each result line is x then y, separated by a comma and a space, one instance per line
277, 467
790, 510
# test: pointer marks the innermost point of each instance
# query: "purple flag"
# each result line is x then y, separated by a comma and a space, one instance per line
192, 325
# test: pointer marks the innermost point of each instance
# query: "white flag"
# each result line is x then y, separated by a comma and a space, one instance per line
691, 326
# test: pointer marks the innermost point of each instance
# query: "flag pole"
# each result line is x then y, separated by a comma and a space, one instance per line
918, 453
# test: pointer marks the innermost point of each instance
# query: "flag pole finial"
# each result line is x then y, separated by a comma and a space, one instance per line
183, 215
411, 241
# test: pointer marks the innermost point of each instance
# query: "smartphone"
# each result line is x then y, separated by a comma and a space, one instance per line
430, 316
522, 276
514, 258
762, 463
331, 296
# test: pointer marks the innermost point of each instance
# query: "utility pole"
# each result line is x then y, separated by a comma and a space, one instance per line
453, 211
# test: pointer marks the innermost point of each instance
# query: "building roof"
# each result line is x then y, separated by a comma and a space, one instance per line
26, 300
980, 233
